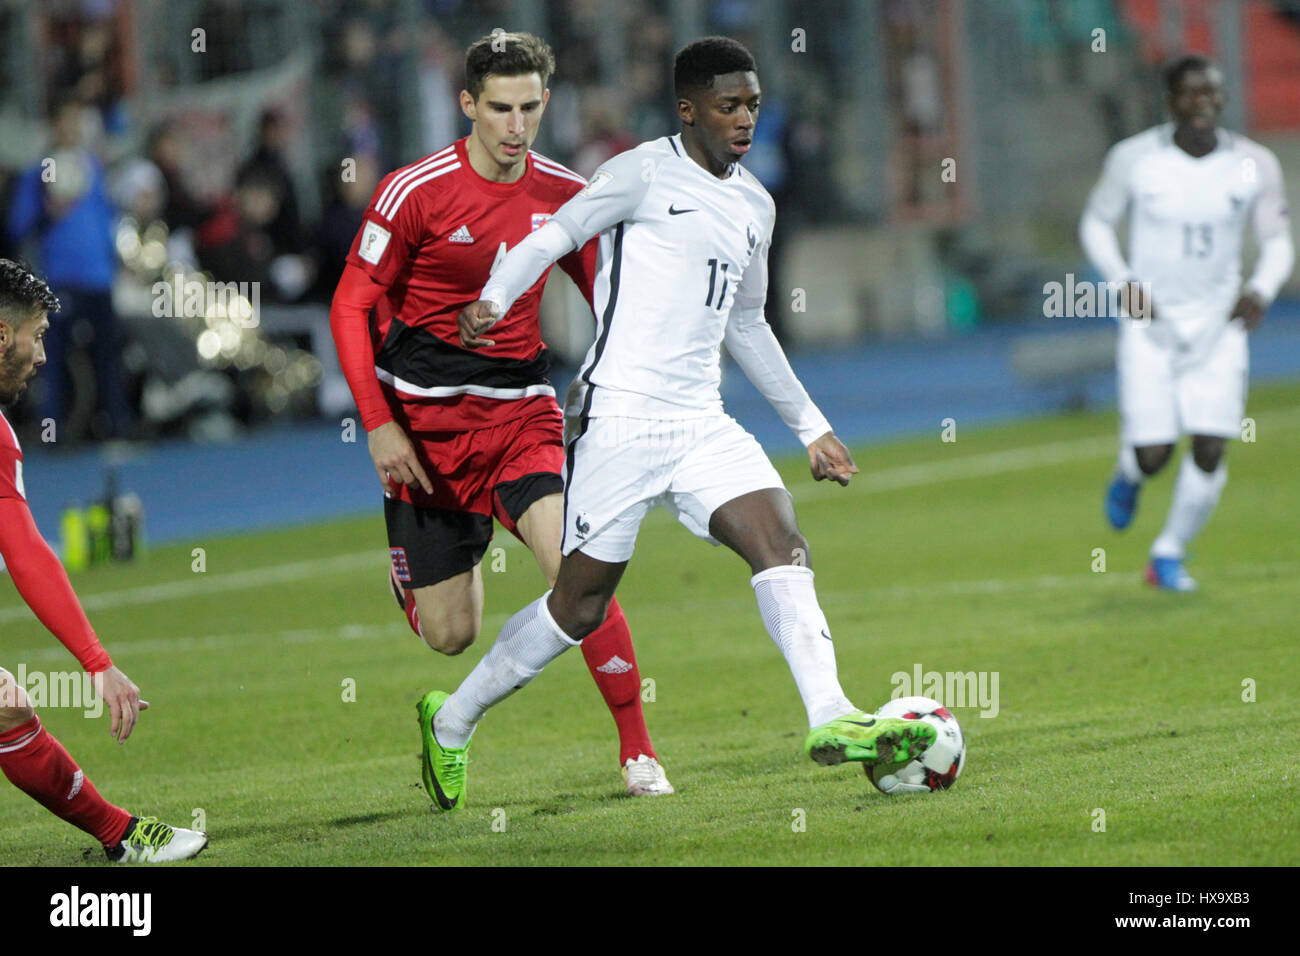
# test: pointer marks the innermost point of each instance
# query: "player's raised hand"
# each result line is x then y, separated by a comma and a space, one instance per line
394, 457
124, 703
474, 320
828, 458
1250, 309
1136, 301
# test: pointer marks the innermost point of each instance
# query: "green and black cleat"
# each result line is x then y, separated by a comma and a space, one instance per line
868, 739
443, 768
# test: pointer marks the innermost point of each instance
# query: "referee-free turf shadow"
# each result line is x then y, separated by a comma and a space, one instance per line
363, 818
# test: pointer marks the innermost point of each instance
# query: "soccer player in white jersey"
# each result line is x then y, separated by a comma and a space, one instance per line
682, 266
1189, 189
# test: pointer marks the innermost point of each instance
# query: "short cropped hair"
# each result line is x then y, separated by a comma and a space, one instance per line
506, 54
1180, 67
698, 63
22, 294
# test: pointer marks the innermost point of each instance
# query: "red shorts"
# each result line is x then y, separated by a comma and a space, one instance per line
476, 475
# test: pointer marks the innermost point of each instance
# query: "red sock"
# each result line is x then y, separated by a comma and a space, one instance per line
609, 656
38, 765
412, 614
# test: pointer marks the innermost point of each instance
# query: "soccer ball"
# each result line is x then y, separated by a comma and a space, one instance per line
938, 767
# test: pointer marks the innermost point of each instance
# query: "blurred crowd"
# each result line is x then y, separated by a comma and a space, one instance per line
120, 198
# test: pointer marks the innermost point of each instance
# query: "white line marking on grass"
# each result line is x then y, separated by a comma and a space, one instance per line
990, 586
350, 632
206, 584
986, 464
221, 642
957, 468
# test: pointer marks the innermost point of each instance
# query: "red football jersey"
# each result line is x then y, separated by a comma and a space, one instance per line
11, 462
432, 234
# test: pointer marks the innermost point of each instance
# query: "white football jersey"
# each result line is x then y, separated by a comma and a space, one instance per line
678, 249
1187, 216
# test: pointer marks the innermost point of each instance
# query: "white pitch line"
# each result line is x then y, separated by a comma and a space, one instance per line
205, 583
987, 586
986, 464
967, 466
223, 642
397, 629
872, 482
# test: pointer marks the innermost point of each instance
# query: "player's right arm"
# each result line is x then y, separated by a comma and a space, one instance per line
1106, 207
43, 584
388, 238
1272, 225
614, 193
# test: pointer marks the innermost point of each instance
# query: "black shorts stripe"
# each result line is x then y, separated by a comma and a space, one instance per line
607, 320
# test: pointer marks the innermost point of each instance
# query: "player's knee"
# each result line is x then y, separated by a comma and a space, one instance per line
1207, 452
448, 633
781, 547
1151, 458
447, 640
587, 614
577, 615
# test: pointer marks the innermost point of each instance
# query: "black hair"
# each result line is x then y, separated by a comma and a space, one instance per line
22, 293
506, 54
698, 63
1180, 67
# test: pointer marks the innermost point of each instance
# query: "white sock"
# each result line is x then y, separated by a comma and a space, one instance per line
788, 602
529, 641
1128, 465
1195, 496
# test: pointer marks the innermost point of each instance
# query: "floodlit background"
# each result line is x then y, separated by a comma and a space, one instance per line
929, 160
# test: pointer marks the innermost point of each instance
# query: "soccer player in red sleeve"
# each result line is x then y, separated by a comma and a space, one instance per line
30, 757
458, 436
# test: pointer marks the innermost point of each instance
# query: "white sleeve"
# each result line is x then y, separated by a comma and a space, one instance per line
1273, 230
1110, 197
524, 265
751, 343
1101, 246
612, 195
1106, 207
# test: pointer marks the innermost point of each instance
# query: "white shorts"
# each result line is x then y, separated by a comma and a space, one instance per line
617, 469
1169, 388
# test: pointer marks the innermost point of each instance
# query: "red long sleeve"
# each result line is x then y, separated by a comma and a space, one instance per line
355, 296
44, 585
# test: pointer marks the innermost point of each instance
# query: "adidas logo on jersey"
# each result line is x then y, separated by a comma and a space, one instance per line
460, 235
615, 665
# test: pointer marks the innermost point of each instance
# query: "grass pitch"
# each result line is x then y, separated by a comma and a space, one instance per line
1116, 705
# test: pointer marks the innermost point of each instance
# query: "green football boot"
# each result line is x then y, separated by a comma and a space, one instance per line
869, 739
443, 768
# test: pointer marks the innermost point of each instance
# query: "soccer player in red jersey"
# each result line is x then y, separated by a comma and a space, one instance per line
30, 757
459, 436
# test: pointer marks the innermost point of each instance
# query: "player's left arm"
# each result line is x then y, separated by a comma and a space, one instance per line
613, 195
1276, 251
750, 341
43, 584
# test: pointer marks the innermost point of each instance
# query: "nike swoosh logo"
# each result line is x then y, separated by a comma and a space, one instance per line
826, 634
442, 797
678, 212
869, 723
